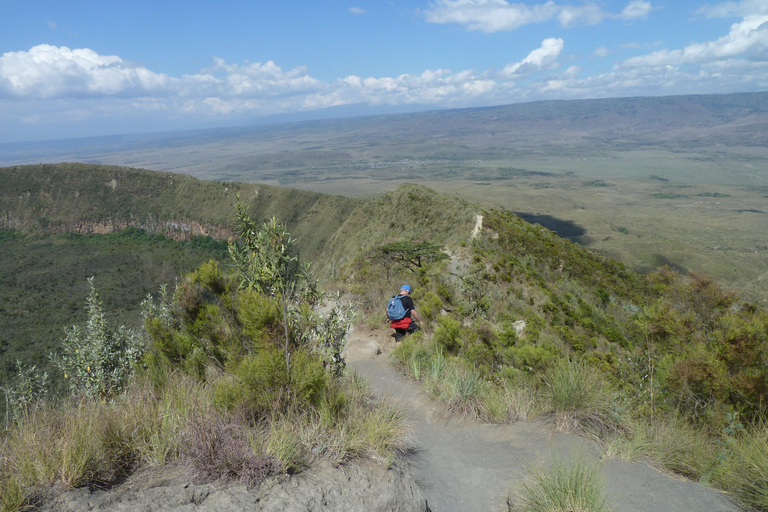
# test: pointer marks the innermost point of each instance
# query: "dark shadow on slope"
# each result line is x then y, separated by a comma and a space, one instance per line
659, 260
563, 228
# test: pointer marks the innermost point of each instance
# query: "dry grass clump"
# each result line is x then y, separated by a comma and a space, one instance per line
89, 442
580, 398
218, 449
745, 467
563, 486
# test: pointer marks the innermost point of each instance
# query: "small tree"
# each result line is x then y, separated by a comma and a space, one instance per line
96, 360
265, 259
410, 255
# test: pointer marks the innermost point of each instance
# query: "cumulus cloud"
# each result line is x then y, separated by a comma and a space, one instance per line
498, 15
46, 72
540, 59
59, 85
747, 39
61, 76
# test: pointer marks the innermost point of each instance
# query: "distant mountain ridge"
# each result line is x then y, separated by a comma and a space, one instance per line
697, 120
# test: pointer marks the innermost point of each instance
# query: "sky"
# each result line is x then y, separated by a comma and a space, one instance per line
76, 68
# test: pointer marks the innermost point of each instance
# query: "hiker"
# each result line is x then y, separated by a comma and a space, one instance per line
400, 317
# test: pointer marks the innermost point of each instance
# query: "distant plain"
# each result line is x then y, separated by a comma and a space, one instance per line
649, 181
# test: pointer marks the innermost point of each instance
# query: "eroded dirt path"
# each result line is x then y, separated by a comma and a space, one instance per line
465, 467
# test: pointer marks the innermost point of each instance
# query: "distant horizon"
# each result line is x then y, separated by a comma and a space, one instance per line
297, 118
106, 68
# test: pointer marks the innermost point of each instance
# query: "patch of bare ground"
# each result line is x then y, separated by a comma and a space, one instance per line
365, 486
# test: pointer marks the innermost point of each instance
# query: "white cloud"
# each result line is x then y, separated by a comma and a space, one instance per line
51, 24
46, 72
356, 10
742, 9
747, 39
540, 59
572, 72
54, 86
497, 15
587, 14
636, 9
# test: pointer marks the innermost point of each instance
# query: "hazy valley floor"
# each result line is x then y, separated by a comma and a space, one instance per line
464, 467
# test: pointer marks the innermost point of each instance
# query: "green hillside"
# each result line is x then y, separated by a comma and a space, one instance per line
84, 198
516, 320
151, 228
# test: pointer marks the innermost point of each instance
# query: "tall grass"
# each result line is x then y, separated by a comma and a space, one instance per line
671, 443
563, 486
86, 442
580, 398
748, 467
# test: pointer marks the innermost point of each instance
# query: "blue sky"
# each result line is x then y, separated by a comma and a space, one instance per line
81, 68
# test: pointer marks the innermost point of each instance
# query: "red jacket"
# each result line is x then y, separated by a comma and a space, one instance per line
403, 323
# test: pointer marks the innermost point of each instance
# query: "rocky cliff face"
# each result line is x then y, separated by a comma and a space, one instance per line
178, 229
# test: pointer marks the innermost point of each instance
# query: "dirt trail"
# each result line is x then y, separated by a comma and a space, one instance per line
465, 467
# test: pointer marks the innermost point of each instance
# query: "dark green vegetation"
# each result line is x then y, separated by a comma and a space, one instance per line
43, 283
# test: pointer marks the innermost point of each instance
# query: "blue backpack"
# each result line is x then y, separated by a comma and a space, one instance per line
395, 308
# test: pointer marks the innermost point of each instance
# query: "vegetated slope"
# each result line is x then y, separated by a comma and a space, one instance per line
707, 346
85, 198
704, 349
520, 321
46, 211
43, 284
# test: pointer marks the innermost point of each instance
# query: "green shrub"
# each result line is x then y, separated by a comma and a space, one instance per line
263, 385
260, 315
430, 306
211, 277
447, 333
697, 379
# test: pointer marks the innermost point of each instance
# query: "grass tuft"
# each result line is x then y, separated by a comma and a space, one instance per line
574, 486
580, 398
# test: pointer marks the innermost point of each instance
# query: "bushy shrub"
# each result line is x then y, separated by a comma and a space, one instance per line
259, 315
697, 380
211, 277
96, 360
430, 306
263, 385
447, 333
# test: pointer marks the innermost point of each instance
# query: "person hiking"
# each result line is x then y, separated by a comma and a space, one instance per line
402, 315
